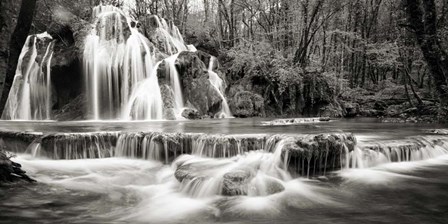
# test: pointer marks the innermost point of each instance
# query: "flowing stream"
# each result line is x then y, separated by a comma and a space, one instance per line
218, 84
171, 172
126, 164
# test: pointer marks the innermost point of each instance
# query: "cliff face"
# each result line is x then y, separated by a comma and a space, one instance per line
8, 15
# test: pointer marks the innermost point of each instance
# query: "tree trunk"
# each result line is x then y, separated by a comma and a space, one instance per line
18, 39
424, 22
5, 32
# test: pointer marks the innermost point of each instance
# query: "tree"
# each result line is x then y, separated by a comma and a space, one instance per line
5, 32
18, 38
422, 16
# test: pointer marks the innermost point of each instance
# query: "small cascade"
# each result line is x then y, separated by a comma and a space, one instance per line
153, 146
168, 146
170, 64
34, 149
145, 104
313, 155
254, 174
30, 96
274, 155
172, 40
226, 146
78, 145
411, 149
218, 84
307, 155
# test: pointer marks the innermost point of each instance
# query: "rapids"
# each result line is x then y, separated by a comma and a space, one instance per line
185, 176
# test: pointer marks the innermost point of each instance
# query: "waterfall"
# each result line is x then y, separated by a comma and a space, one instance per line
411, 149
121, 68
172, 39
117, 59
143, 103
30, 95
170, 64
218, 84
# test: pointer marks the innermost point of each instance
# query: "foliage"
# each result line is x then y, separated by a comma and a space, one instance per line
261, 60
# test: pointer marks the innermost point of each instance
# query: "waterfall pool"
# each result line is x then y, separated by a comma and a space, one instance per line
360, 126
403, 178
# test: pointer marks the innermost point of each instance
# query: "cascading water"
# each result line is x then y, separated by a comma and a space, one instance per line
30, 96
117, 59
145, 101
218, 84
121, 69
412, 149
139, 177
172, 39
214, 176
175, 84
120, 66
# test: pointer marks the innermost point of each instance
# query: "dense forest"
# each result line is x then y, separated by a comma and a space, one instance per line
338, 58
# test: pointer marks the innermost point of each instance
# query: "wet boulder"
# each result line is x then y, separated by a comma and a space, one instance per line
203, 41
74, 110
11, 171
333, 109
247, 104
267, 186
69, 31
183, 173
242, 182
160, 33
203, 96
191, 114
149, 25
311, 155
236, 183
351, 109
168, 102
198, 169
273, 186
151, 28
197, 90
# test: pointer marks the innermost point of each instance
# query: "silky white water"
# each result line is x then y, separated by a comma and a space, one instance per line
218, 84
138, 191
152, 174
121, 68
175, 84
116, 60
30, 95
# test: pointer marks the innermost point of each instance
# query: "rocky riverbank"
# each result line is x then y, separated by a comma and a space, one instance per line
11, 171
